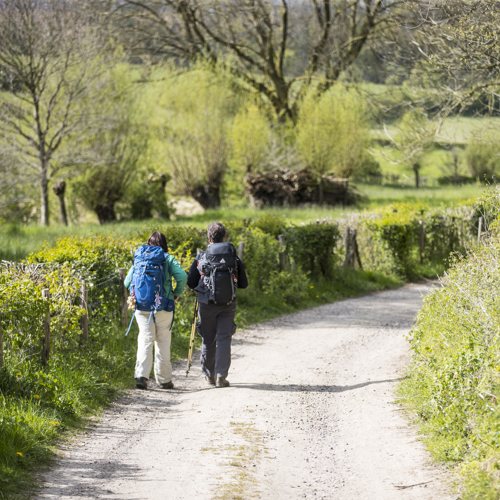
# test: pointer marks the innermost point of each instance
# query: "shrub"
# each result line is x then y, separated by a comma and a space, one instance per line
261, 256
397, 228
188, 238
333, 132
483, 159
91, 257
390, 238
286, 286
369, 171
312, 246
270, 224
454, 382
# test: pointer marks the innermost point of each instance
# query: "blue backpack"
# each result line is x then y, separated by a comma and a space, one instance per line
148, 281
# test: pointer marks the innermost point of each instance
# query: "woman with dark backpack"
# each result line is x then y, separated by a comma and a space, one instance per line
216, 274
150, 283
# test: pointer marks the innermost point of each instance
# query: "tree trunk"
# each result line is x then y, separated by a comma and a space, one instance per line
207, 196
59, 189
416, 169
105, 213
44, 199
321, 196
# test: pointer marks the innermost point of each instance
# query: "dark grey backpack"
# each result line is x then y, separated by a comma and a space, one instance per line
218, 270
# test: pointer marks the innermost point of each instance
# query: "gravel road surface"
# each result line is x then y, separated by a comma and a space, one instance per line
310, 413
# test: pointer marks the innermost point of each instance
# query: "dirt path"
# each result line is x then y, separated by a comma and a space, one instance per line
310, 414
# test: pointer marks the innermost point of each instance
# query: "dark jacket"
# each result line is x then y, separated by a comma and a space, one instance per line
194, 276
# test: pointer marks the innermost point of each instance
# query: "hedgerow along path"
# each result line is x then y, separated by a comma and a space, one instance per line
311, 413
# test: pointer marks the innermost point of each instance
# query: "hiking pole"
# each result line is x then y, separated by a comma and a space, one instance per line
191, 341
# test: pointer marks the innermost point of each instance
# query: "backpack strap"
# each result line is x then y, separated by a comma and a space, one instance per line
130, 325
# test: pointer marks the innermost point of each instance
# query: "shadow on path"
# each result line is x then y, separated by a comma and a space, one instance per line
311, 388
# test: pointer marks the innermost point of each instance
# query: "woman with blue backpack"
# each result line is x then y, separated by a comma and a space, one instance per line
153, 296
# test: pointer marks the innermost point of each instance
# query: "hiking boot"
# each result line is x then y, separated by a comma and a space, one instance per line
222, 382
210, 380
141, 383
167, 385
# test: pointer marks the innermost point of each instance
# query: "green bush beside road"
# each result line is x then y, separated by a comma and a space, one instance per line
453, 384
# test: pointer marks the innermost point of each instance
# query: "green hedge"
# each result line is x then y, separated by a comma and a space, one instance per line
389, 238
453, 385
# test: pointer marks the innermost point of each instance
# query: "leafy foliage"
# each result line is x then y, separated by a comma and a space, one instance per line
313, 245
390, 239
332, 132
483, 158
453, 385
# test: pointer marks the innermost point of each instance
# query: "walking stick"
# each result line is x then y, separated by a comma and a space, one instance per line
191, 341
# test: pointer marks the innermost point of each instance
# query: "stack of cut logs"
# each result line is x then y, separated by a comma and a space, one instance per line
291, 188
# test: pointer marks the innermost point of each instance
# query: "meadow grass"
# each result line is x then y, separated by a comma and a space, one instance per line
16, 241
38, 408
438, 161
435, 163
434, 196
458, 130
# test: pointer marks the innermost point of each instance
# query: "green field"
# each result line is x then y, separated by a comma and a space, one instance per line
438, 161
16, 241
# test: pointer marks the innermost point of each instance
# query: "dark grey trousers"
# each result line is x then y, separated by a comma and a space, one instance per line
216, 327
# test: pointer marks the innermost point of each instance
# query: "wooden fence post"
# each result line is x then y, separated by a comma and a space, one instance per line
282, 243
351, 249
199, 250
122, 273
1, 342
452, 235
421, 224
241, 248
84, 320
347, 242
356, 249
46, 327
479, 229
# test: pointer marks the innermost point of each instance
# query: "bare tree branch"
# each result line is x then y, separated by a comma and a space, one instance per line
51, 51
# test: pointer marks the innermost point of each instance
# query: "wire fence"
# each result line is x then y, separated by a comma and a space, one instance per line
104, 302
32, 331
21, 325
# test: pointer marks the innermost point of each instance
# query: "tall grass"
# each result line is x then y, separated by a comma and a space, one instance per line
36, 407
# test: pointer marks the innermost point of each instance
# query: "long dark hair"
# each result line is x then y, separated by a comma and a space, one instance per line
158, 239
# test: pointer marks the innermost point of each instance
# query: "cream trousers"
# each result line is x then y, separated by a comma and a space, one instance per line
157, 332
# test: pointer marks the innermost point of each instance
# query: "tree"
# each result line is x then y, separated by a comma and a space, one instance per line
252, 38
110, 171
59, 189
198, 109
483, 156
14, 187
251, 135
416, 135
110, 158
333, 132
50, 65
461, 44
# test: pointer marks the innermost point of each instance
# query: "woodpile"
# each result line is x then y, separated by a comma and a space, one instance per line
292, 188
